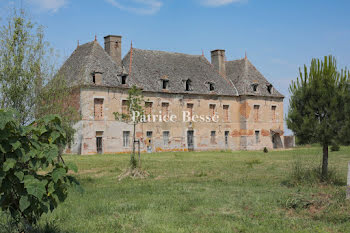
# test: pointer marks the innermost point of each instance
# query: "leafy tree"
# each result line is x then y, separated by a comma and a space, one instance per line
133, 116
28, 83
32, 178
316, 105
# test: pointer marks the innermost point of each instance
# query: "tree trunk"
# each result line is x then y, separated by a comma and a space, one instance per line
133, 142
325, 162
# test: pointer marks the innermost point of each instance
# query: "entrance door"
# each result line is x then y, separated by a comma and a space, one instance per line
190, 140
99, 145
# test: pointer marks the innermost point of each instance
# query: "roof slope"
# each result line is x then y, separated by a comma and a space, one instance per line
149, 67
87, 59
244, 75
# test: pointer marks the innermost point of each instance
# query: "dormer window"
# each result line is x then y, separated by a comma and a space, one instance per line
165, 84
124, 79
211, 86
188, 85
96, 78
255, 87
270, 88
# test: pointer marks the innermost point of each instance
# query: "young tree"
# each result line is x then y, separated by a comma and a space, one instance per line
316, 105
133, 116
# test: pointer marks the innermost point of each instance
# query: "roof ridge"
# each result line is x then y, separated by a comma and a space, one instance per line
173, 53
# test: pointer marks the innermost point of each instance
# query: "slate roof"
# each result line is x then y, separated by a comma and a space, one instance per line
149, 68
87, 59
244, 75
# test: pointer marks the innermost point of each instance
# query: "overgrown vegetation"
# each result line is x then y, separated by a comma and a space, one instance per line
33, 176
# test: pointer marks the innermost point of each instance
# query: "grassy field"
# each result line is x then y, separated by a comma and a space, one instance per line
205, 192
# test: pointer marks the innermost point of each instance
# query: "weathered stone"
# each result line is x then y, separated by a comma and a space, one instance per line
348, 188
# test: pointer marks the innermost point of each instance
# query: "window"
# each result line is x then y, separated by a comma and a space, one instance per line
149, 134
190, 109
213, 137
257, 136
211, 86
97, 78
273, 112
94, 78
165, 109
226, 107
270, 88
124, 79
126, 136
125, 107
255, 87
98, 109
212, 109
165, 84
188, 85
148, 108
166, 138
256, 112
227, 133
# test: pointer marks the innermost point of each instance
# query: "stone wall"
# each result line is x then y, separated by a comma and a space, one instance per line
241, 125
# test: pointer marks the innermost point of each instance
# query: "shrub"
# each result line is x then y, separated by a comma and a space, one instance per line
33, 176
266, 150
335, 147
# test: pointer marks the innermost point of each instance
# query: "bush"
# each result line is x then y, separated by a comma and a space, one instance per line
266, 150
335, 147
33, 176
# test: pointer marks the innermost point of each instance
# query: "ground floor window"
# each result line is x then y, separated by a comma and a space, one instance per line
126, 137
166, 138
257, 136
212, 137
226, 137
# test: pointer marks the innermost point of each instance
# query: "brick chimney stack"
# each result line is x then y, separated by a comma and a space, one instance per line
113, 46
218, 61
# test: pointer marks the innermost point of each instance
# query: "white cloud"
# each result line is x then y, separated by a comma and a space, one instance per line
144, 7
48, 5
216, 3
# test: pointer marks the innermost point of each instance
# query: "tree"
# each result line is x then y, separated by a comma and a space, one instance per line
133, 116
32, 178
316, 105
28, 83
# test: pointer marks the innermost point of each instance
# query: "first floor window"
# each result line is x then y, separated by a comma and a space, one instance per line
126, 136
166, 138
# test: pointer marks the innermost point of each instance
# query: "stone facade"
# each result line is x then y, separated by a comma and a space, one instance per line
246, 121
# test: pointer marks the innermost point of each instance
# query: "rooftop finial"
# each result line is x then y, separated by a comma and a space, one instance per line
202, 53
78, 43
245, 55
131, 45
95, 37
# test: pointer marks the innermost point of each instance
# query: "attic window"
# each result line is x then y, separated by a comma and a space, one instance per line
255, 87
165, 84
97, 78
188, 85
269, 88
124, 79
211, 86
94, 78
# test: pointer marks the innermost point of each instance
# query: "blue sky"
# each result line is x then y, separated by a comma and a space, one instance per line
278, 35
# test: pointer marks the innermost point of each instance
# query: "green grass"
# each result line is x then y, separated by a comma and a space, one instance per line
205, 192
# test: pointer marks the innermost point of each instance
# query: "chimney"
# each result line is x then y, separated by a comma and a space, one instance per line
218, 61
113, 46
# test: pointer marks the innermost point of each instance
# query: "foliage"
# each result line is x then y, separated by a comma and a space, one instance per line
33, 179
27, 81
316, 105
266, 150
335, 147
